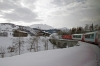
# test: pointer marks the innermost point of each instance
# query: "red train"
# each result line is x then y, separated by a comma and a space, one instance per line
66, 36
93, 37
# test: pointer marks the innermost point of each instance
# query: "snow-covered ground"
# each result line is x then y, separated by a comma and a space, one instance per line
74, 56
9, 40
5, 42
84, 55
95, 48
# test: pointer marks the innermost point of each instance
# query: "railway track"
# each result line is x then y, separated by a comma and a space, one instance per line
97, 53
96, 49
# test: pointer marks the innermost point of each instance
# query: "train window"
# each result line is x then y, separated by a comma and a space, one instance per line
77, 36
90, 36
98, 36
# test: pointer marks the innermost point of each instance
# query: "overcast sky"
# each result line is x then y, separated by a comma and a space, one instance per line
56, 13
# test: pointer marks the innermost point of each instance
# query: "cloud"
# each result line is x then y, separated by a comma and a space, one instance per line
52, 12
6, 5
88, 3
21, 14
66, 2
67, 13
72, 6
68, 9
16, 11
95, 20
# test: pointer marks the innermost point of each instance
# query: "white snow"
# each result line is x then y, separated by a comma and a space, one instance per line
5, 42
41, 26
75, 56
84, 55
54, 36
65, 29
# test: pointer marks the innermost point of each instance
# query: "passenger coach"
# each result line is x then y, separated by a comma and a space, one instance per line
98, 38
77, 36
92, 37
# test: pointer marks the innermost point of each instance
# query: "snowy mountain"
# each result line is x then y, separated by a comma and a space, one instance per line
64, 29
41, 26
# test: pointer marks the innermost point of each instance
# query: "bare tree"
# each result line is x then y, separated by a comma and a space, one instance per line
52, 39
91, 27
79, 30
2, 51
60, 32
18, 43
96, 27
37, 41
86, 28
38, 34
45, 40
11, 49
32, 41
99, 28
73, 30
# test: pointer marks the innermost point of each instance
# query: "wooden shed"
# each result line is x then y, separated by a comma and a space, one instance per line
18, 33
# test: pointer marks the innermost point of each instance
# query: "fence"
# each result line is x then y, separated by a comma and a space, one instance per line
63, 43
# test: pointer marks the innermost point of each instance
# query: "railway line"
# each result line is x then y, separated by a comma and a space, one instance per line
95, 48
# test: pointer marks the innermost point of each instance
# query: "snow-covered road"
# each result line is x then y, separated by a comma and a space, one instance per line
95, 48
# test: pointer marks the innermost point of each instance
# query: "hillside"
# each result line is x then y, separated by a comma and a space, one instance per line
9, 28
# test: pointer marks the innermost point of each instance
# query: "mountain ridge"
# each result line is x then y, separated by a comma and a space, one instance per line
41, 26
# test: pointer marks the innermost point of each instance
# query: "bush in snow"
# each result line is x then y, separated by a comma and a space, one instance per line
2, 51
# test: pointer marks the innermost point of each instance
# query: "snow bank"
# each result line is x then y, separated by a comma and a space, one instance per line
75, 56
54, 36
5, 41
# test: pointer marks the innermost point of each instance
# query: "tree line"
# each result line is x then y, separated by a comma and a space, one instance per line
78, 30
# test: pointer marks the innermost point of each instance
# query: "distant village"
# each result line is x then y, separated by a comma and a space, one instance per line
9, 29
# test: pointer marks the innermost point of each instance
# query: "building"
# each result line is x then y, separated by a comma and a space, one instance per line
18, 33
4, 34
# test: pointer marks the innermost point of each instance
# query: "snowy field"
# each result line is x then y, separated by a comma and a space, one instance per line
5, 42
84, 55
74, 56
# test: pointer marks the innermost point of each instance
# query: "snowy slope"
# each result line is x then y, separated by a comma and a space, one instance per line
65, 29
41, 26
9, 28
75, 56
